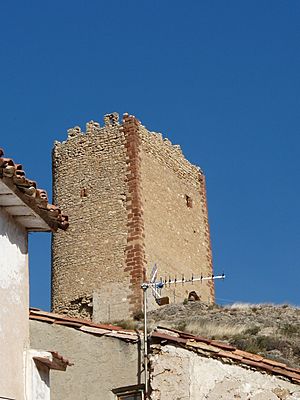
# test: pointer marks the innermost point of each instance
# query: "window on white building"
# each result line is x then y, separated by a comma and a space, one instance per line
130, 393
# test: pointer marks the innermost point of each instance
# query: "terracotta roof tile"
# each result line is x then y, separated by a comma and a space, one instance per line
121, 335
228, 354
92, 329
250, 356
59, 358
285, 372
222, 345
217, 349
84, 325
289, 368
46, 319
58, 362
163, 336
275, 363
25, 190
203, 346
60, 317
185, 334
257, 364
68, 323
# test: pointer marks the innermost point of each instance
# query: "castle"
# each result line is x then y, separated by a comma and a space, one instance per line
133, 200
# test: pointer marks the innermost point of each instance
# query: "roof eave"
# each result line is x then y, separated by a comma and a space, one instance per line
24, 209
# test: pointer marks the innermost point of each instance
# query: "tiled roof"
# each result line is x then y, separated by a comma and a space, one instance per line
24, 201
224, 352
84, 325
56, 361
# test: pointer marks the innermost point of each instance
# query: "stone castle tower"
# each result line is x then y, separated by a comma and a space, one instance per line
133, 200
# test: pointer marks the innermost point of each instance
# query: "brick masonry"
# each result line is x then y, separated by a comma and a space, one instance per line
135, 250
132, 200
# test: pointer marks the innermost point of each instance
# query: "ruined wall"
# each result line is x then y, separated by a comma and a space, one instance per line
177, 373
175, 216
14, 334
101, 364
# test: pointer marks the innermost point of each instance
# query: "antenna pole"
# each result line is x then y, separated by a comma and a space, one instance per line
156, 286
145, 287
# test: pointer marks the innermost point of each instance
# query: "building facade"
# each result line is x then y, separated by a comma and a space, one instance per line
107, 359
187, 367
23, 208
108, 364
134, 201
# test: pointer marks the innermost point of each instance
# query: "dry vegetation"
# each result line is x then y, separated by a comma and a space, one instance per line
272, 331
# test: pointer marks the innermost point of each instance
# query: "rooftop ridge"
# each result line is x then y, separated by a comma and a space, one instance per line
84, 325
220, 350
112, 119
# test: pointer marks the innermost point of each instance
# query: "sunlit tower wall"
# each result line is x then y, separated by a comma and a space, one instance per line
133, 200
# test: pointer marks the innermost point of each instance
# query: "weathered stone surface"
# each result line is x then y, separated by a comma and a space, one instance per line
181, 374
133, 200
176, 235
89, 182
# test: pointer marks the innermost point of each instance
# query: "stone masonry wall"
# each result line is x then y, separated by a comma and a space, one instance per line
181, 374
132, 200
89, 183
175, 217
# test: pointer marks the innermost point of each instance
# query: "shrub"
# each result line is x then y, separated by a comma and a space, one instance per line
253, 330
181, 326
289, 329
258, 344
138, 316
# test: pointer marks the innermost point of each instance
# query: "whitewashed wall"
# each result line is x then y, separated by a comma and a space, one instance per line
37, 376
180, 374
14, 335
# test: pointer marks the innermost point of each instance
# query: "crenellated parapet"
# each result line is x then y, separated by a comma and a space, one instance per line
111, 119
73, 132
92, 127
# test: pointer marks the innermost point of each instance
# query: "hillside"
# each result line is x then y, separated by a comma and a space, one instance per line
272, 331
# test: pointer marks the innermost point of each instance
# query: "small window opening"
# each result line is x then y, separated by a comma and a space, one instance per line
189, 201
130, 396
135, 392
83, 192
193, 296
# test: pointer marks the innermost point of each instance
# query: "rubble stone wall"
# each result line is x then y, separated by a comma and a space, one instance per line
177, 373
175, 216
89, 184
132, 200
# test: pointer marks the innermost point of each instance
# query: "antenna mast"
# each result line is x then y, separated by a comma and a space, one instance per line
156, 287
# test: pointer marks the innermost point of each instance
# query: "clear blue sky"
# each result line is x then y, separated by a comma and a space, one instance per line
220, 78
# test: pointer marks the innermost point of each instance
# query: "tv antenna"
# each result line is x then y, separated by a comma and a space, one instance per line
156, 288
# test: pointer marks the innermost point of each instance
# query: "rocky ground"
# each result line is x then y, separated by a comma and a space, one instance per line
272, 331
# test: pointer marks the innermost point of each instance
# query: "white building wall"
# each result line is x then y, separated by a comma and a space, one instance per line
37, 376
14, 297
180, 374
